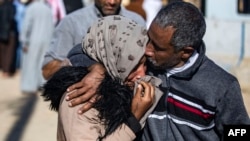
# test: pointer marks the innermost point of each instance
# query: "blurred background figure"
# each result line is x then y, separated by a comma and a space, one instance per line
20, 6
35, 36
8, 38
151, 8
58, 10
146, 8
72, 5
136, 6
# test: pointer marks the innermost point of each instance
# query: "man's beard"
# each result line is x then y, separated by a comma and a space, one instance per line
153, 64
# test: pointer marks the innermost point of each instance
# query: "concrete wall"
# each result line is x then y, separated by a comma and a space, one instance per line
228, 33
225, 39
224, 10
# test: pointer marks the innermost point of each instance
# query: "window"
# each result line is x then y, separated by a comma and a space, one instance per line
244, 6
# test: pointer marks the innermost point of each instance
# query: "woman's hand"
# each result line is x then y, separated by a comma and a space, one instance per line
85, 90
143, 99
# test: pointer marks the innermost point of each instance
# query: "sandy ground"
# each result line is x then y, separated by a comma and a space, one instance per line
28, 118
24, 117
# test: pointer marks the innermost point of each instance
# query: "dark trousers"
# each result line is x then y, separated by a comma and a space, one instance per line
8, 54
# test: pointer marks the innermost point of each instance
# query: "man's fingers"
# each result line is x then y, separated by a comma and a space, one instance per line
74, 86
81, 98
76, 93
85, 107
88, 105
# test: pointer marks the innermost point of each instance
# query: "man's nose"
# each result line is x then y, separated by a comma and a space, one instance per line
111, 1
149, 50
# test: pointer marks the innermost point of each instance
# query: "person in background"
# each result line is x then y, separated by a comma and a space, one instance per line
199, 98
74, 26
8, 38
71, 6
136, 6
151, 8
121, 51
20, 10
58, 10
35, 36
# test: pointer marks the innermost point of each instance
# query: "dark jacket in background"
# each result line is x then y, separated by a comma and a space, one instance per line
72, 5
7, 20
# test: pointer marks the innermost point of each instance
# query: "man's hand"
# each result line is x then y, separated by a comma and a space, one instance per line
143, 99
85, 90
53, 66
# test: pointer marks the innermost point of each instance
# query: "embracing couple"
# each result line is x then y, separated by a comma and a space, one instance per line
126, 83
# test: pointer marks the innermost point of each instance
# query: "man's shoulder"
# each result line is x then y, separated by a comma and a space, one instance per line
220, 74
84, 15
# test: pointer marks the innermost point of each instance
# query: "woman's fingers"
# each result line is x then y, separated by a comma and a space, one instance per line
148, 92
146, 89
138, 93
143, 99
152, 91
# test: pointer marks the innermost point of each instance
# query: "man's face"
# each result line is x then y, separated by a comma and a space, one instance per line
108, 7
159, 51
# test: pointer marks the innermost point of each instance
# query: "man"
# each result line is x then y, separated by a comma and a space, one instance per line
35, 37
199, 96
73, 27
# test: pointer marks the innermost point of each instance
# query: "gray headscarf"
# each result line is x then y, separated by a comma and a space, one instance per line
117, 42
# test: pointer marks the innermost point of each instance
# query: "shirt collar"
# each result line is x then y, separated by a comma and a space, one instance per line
187, 65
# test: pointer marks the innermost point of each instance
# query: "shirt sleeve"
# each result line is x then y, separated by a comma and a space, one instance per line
62, 42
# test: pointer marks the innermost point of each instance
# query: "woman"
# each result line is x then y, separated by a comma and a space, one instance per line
118, 43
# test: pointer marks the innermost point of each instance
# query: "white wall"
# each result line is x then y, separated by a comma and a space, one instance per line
228, 33
227, 41
224, 10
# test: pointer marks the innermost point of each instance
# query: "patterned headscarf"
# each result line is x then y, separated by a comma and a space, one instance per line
117, 42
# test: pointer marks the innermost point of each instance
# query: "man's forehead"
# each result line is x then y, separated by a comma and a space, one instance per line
157, 33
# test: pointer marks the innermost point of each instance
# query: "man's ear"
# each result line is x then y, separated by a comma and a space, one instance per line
187, 52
